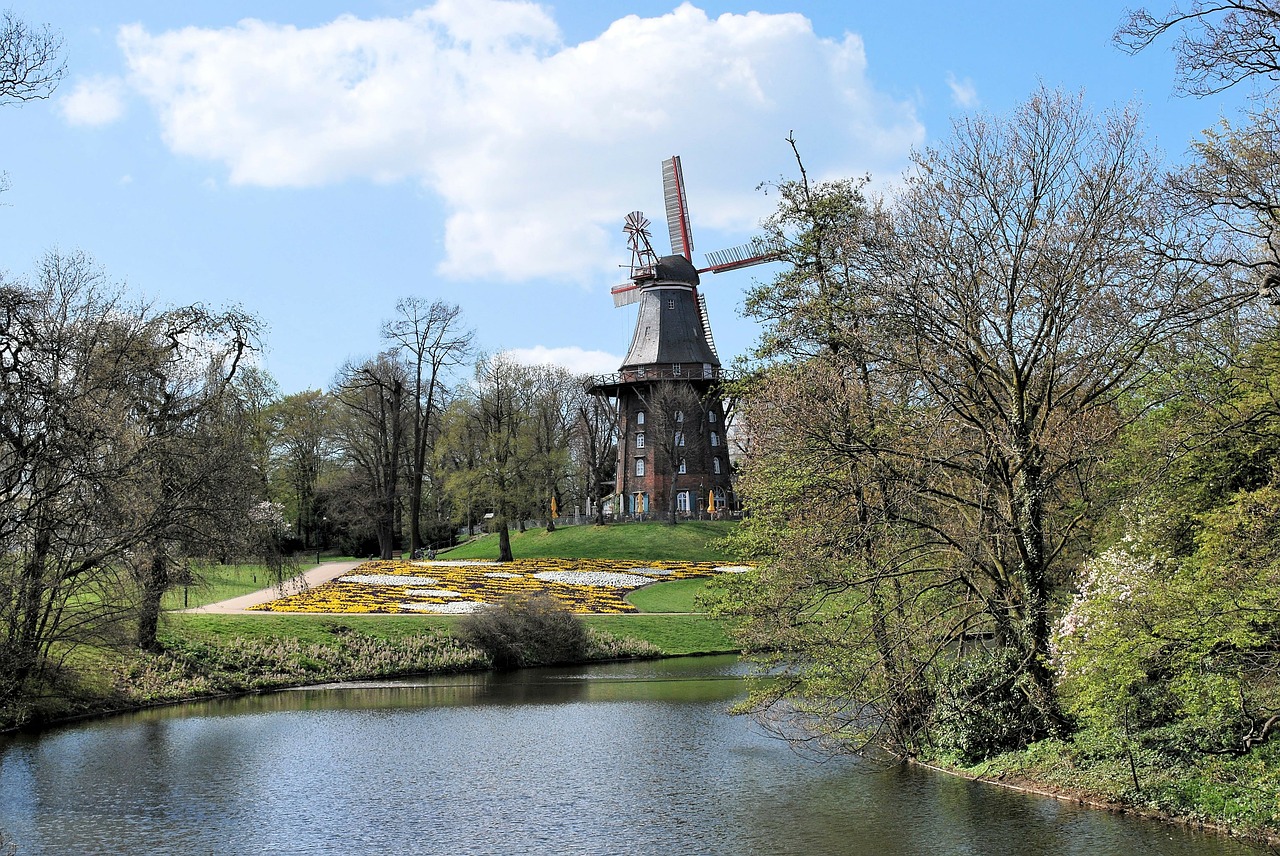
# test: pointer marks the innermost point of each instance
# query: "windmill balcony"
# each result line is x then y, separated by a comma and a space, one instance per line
674, 371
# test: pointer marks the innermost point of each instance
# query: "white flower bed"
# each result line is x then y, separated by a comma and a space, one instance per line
653, 572
593, 578
733, 569
388, 580
457, 607
432, 593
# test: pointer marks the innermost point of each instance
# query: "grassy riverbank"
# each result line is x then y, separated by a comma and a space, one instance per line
207, 654
1235, 794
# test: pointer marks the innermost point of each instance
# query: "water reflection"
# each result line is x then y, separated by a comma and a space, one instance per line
628, 758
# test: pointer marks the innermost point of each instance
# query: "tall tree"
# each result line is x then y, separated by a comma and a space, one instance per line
981, 330
494, 422
301, 426
112, 456
433, 340
593, 445
373, 426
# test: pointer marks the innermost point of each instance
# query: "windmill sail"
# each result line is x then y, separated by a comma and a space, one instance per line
706, 325
677, 207
625, 295
756, 252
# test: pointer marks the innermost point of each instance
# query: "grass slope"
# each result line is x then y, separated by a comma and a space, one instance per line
691, 541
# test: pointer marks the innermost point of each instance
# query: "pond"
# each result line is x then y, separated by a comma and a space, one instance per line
637, 758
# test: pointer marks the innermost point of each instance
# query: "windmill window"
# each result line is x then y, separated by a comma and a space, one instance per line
682, 469
682, 501
639, 417
639, 439
675, 369
715, 463
639, 466
706, 370
711, 416
671, 303
715, 439
679, 416
679, 438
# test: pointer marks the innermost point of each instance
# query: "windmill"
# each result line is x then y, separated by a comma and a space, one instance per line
672, 357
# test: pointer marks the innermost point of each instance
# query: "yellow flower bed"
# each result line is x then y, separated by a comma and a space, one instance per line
583, 585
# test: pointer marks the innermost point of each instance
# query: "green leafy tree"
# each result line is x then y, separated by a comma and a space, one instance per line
1171, 639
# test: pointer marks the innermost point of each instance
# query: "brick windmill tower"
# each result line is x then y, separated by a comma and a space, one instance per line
673, 458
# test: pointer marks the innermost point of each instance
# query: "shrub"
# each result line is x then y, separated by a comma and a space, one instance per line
526, 631
984, 707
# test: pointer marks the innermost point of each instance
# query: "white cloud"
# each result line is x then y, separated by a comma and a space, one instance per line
536, 148
963, 92
574, 359
94, 101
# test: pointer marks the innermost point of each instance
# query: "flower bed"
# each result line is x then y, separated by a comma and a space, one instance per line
583, 585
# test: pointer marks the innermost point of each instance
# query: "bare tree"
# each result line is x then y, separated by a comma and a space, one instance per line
964, 350
1218, 44
678, 427
432, 338
593, 444
31, 64
373, 427
120, 455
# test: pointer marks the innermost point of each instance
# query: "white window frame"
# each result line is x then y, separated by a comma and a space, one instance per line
682, 501
679, 438
639, 417
715, 465
683, 467
715, 439
639, 468
639, 439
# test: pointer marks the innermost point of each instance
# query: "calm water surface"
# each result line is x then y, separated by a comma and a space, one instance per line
619, 759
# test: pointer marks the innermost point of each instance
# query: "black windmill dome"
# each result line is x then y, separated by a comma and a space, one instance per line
671, 325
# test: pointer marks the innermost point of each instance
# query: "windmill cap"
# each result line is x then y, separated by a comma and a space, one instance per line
675, 269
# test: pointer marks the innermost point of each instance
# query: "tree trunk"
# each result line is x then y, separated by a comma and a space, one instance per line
504, 542
154, 583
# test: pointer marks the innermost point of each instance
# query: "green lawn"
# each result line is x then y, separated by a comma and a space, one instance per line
673, 634
691, 541
675, 596
305, 628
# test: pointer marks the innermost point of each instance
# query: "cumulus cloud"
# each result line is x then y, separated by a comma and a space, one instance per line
94, 101
576, 360
963, 92
535, 147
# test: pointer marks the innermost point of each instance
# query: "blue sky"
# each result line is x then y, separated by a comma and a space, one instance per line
314, 161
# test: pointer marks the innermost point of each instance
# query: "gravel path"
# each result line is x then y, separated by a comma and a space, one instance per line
240, 605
